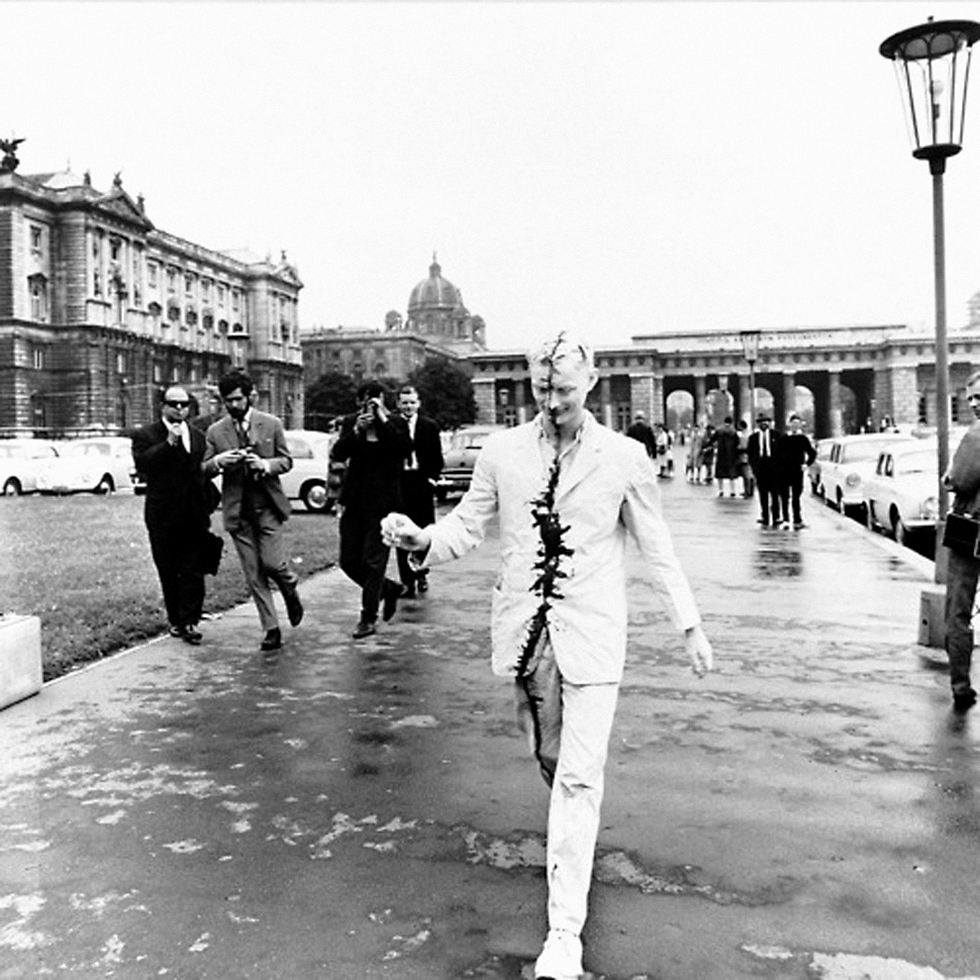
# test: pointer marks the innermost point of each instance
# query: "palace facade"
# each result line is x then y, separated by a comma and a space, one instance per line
100, 311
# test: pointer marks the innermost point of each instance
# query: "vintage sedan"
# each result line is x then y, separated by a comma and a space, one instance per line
20, 460
459, 451
823, 448
102, 464
313, 478
852, 459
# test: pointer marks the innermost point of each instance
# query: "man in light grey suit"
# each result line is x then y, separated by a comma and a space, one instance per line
568, 491
248, 448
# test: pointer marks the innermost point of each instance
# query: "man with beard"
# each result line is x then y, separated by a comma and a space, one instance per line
168, 454
248, 448
568, 492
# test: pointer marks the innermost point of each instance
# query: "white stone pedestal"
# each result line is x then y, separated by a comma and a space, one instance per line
20, 658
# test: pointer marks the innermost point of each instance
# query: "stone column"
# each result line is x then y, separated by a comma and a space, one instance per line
642, 398
744, 400
700, 396
789, 396
605, 401
659, 406
485, 393
836, 423
904, 395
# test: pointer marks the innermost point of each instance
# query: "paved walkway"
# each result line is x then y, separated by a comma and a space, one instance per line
365, 809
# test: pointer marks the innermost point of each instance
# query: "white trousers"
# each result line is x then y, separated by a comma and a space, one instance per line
568, 727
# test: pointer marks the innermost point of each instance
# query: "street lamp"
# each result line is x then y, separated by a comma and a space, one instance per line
750, 349
932, 62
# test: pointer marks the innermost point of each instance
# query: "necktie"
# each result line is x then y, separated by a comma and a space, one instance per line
765, 442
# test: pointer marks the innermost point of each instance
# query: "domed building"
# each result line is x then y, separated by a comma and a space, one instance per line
436, 309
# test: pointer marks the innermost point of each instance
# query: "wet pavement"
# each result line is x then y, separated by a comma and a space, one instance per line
365, 809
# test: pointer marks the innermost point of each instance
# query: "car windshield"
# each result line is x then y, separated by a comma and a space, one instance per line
84, 449
921, 462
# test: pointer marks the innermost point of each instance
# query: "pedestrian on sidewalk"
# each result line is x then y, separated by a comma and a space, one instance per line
422, 468
794, 453
963, 569
375, 444
742, 467
168, 454
568, 491
725, 441
763, 449
248, 448
642, 433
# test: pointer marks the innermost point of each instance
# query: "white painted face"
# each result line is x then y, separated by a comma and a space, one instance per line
560, 391
973, 397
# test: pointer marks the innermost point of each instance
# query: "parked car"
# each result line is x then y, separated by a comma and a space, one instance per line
20, 460
459, 451
902, 495
851, 461
313, 478
95, 465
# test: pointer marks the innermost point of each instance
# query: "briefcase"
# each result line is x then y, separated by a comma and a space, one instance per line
962, 535
211, 548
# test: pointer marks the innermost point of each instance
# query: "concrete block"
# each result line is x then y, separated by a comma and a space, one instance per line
932, 617
20, 658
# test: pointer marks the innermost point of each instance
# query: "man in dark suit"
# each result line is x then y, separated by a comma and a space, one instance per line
796, 452
422, 469
763, 452
248, 448
168, 454
641, 432
375, 444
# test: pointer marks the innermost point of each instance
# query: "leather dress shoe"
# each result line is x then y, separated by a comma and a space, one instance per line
964, 701
422, 583
189, 634
363, 628
389, 600
272, 639
294, 607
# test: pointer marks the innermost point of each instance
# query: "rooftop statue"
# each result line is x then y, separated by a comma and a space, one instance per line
10, 162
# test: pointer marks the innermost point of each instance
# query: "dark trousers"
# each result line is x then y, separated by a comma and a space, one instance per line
768, 487
792, 489
364, 557
175, 553
961, 590
417, 503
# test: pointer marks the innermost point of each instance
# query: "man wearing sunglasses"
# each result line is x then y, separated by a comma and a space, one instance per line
169, 454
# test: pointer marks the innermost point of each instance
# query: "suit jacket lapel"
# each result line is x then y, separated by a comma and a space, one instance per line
584, 460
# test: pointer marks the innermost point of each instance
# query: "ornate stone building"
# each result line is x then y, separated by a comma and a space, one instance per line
438, 325
99, 310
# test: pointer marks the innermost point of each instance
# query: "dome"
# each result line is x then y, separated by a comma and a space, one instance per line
434, 293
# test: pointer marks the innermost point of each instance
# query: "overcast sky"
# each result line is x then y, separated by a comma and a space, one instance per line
613, 168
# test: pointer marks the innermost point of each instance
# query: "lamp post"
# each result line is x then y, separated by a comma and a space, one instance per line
932, 63
750, 349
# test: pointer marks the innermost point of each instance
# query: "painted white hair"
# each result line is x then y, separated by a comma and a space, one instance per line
559, 348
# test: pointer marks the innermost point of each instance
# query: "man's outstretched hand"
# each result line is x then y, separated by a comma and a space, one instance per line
399, 531
699, 650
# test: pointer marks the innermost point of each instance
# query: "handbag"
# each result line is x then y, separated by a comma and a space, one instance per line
962, 535
211, 547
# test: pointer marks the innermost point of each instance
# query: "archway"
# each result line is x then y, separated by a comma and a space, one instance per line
805, 404
679, 413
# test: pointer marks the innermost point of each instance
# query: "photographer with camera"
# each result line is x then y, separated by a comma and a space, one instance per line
375, 444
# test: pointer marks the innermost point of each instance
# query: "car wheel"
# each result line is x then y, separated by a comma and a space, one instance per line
869, 516
105, 485
12, 488
314, 496
840, 501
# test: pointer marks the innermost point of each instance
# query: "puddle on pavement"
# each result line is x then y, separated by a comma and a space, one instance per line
777, 562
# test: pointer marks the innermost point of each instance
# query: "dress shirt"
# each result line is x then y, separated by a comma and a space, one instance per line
180, 429
412, 463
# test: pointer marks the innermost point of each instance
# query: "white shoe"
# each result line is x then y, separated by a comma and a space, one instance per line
561, 957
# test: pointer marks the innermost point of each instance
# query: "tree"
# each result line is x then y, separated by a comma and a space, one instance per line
332, 394
446, 393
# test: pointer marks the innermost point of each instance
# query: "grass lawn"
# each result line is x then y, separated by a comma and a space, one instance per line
82, 563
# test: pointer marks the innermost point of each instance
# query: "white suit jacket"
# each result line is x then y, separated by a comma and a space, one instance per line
609, 490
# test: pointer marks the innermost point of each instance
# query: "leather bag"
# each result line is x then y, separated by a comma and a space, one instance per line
962, 535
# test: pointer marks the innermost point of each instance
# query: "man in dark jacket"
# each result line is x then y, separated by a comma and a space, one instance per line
795, 452
168, 454
375, 445
422, 469
763, 452
641, 432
